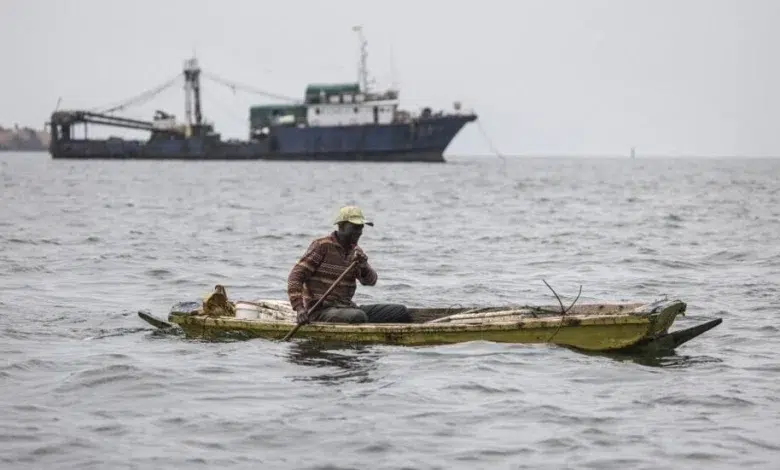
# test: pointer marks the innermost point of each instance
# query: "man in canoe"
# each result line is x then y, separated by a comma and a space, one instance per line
322, 264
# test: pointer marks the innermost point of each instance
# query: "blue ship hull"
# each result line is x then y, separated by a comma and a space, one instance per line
423, 140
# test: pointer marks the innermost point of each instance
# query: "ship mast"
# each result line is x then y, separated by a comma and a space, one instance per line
192, 92
363, 67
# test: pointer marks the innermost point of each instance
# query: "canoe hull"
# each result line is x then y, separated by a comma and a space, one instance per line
610, 332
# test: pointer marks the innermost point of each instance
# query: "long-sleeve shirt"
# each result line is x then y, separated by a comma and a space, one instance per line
324, 261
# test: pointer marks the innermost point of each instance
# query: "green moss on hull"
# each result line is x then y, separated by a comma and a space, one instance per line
596, 333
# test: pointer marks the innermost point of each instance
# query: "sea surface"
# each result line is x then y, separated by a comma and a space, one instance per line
85, 384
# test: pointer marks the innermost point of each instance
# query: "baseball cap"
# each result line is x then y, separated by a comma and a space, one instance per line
352, 214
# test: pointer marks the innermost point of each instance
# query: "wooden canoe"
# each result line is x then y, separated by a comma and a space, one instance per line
591, 327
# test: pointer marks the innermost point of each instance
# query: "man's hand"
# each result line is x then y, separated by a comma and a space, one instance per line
303, 316
359, 256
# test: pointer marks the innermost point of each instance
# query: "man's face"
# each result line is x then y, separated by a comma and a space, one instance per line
352, 232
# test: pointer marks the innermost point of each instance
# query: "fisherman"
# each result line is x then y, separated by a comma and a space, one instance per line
324, 261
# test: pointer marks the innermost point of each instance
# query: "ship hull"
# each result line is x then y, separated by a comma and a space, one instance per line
419, 141
429, 156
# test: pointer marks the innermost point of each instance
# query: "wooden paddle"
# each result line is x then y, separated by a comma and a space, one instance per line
317, 304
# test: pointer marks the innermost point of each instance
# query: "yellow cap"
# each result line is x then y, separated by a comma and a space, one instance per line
353, 215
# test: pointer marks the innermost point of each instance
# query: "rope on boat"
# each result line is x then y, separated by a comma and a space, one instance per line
490, 144
240, 86
140, 98
147, 95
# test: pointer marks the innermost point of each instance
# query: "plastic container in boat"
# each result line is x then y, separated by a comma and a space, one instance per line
247, 311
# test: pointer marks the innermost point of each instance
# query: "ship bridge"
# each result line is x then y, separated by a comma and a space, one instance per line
346, 104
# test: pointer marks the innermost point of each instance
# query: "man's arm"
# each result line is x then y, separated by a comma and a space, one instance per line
302, 271
366, 275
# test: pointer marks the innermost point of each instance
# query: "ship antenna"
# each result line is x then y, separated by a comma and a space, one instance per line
363, 67
393, 73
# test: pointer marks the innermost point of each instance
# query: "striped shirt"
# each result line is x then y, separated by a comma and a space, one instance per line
324, 261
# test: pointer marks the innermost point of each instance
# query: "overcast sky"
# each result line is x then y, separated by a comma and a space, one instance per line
550, 77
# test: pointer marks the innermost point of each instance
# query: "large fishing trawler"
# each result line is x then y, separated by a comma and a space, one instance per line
334, 122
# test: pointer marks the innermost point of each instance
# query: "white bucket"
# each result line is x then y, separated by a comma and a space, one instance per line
247, 311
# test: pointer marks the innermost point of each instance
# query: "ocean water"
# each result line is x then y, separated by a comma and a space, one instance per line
87, 385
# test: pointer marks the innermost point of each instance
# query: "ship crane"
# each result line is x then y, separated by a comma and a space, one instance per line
69, 118
62, 122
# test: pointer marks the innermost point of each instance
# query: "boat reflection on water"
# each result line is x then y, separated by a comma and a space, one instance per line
338, 362
668, 359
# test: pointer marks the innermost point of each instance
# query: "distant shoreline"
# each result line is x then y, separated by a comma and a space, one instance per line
23, 139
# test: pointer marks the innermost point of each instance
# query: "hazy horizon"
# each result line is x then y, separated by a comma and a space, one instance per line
557, 78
